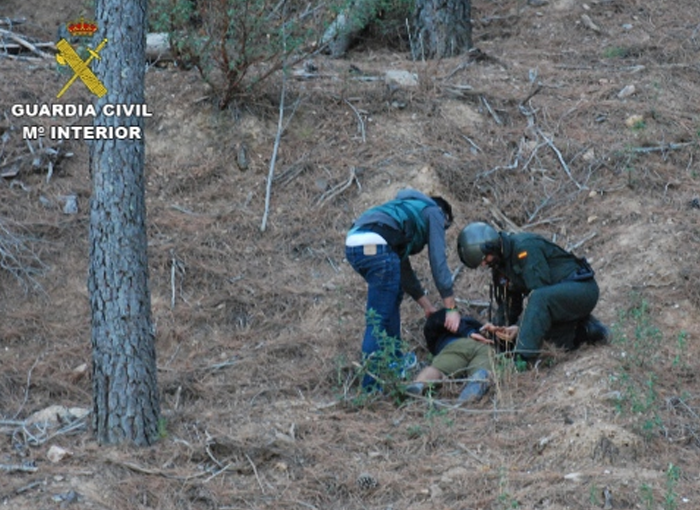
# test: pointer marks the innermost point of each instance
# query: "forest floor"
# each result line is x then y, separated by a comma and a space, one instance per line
580, 122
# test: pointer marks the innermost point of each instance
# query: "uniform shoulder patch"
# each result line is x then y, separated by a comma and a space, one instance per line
522, 255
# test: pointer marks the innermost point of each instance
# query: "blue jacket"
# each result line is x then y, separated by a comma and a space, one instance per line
437, 337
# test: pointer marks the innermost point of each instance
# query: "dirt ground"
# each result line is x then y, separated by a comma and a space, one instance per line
257, 331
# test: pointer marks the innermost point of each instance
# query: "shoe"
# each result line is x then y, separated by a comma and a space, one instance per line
596, 332
415, 389
477, 386
406, 363
409, 361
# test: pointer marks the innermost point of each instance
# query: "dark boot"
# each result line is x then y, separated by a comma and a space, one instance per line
592, 331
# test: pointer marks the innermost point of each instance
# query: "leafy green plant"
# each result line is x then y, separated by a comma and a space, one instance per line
642, 347
681, 356
162, 428
593, 495
639, 340
673, 474
639, 125
647, 496
414, 431
505, 500
615, 52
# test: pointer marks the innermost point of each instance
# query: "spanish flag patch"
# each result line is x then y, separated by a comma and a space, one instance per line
522, 255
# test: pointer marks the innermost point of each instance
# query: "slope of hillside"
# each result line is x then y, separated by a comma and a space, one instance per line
257, 331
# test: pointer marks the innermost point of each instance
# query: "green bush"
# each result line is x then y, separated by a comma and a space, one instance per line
234, 44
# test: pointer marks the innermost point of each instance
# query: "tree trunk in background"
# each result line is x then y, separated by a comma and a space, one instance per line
343, 31
125, 392
443, 29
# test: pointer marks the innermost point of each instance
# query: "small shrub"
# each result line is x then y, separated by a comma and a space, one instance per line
385, 366
234, 44
615, 52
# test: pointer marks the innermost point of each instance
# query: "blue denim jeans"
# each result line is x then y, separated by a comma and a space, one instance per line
382, 272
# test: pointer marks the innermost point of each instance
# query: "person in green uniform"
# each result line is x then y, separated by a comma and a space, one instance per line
561, 289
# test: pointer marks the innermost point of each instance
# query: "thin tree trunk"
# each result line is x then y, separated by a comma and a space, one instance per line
125, 393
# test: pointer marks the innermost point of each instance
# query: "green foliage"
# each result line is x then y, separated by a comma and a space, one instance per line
640, 354
234, 44
647, 496
670, 498
414, 431
615, 52
162, 428
384, 366
641, 349
593, 495
645, 361
673, 474
505, 500
682, 341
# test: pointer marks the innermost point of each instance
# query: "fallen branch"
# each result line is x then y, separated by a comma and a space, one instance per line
495, 116
6, 46
361, 124
255, 470
18, 258
561, 158
337, 190
29, 486
588, 23
473, 303
21, 58
157, 472
498, 214
531, 95
580, 243
662, 148
471, 142
513, 166
23, 42
29, 380
456, 273
10, 22
24, 468
24, 436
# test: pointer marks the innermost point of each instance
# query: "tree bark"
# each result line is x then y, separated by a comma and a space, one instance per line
125, 394
443, 29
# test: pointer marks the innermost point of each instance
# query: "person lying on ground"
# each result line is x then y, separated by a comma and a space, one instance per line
465, 353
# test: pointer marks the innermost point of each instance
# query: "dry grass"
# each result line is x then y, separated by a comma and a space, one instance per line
257, 332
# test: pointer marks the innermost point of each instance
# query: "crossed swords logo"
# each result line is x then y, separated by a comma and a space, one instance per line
81, 68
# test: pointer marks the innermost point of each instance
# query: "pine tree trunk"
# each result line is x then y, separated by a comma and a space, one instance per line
125, 393
443, 29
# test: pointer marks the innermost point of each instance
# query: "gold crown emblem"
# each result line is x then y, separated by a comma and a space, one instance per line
82, 28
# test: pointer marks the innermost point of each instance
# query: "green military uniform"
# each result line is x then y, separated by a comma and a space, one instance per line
560, 288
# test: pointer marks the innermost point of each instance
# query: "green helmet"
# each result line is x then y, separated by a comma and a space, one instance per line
475, 241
